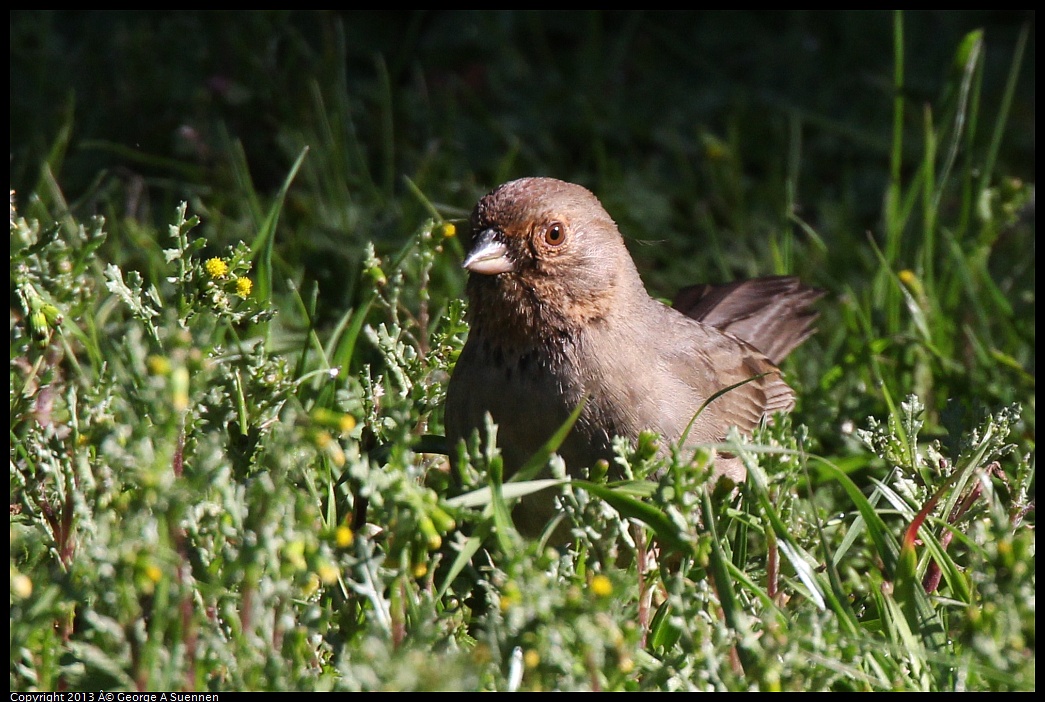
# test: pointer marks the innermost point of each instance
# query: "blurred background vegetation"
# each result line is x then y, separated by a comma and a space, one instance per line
887, 159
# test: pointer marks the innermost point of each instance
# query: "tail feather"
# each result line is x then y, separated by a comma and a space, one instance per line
773, 314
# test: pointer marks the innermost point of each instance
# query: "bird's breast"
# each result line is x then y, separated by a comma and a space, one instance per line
529, 393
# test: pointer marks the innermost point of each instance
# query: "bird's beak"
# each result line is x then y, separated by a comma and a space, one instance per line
489, 255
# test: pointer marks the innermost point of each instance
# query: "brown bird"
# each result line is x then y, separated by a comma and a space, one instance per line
558, 313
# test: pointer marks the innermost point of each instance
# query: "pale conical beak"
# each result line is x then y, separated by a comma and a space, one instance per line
489, 255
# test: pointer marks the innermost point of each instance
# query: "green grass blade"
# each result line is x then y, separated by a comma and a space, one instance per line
262, 245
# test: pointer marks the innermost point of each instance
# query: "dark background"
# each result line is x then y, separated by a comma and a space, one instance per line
584, 95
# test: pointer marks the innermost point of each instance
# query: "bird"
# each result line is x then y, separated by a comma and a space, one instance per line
559, 316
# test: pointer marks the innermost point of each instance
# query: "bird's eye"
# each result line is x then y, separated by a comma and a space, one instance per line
555, 234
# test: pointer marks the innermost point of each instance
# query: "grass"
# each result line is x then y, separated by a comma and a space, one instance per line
235, 266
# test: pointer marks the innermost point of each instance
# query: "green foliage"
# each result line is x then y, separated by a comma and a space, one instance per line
226, 394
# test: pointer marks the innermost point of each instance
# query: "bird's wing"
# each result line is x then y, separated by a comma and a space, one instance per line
739, 385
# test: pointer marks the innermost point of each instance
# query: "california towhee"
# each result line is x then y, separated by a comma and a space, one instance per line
558, 313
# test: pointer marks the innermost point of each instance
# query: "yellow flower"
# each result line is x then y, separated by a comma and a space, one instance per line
327, 573
448, 230
343, 536
531, 659
158, 365
216, 267
601, 586
153, 573
243, 286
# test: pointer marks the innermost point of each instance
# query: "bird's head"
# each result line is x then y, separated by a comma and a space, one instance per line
544, 252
